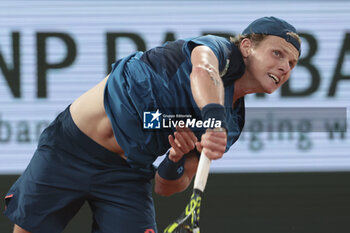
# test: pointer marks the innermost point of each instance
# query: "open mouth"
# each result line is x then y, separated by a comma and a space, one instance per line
275, 78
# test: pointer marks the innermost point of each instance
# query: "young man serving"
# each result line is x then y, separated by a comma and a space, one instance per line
97, 150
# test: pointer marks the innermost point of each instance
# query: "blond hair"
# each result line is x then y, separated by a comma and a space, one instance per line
257, 38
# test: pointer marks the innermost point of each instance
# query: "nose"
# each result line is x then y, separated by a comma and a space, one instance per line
284, 66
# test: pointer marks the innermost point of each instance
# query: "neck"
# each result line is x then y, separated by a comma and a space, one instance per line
243, 86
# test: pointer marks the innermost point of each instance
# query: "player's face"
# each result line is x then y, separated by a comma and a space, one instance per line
270, 63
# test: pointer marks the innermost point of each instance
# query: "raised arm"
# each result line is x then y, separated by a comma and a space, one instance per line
206, 84
207, 88
208, 92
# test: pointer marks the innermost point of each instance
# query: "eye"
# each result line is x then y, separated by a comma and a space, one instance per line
276, 53
291, 65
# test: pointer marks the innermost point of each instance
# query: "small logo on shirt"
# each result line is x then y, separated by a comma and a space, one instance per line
151, 120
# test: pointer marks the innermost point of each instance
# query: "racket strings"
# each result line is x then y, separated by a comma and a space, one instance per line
191, 215
183, 228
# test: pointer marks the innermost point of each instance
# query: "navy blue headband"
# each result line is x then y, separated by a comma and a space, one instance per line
273, 26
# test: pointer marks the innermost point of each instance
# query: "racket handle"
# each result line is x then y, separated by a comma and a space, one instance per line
202, 172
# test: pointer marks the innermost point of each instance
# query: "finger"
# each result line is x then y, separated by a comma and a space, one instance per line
213, 144
172, 155
187, 139
215, 148
176, 154
171, 140
193, 136
212, 155
180, 143
216, 134
184, 146
174, 145
220, 140
199, 146
188, 132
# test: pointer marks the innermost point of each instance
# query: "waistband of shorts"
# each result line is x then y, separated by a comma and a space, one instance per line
96, 151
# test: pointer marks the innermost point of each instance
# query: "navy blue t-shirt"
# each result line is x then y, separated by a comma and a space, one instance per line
159, 79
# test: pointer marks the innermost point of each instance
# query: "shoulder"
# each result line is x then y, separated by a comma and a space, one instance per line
220, 46
211, 41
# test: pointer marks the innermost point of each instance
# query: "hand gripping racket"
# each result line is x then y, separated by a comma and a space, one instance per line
189, 219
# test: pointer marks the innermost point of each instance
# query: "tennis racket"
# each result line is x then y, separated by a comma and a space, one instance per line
189, 219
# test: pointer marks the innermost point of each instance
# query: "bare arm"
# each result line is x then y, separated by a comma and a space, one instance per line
207, 88
206, 84
168, 187
182, 143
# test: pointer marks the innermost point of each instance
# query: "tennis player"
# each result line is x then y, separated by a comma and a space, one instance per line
98, 150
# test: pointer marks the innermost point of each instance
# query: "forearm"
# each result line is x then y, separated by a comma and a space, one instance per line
165, 187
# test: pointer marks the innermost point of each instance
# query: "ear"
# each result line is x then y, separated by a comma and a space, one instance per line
245, 47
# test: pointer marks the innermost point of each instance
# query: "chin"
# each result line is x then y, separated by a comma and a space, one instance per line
269, 90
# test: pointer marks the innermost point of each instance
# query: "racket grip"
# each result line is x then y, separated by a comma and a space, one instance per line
200, 180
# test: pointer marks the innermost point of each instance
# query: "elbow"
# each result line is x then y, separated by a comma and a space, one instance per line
162, 192
168, 188
162, 187
165, 190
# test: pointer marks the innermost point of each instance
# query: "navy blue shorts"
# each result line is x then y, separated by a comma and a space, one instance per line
69, 168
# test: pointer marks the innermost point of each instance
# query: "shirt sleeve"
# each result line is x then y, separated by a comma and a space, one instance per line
219, 45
